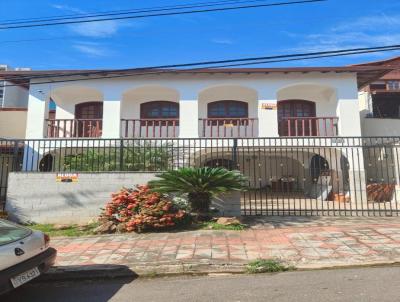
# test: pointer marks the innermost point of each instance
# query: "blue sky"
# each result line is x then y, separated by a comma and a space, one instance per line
187, 38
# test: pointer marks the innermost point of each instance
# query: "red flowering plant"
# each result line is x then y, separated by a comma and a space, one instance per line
140, 210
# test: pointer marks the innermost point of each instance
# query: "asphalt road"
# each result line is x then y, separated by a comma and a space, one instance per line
352, 285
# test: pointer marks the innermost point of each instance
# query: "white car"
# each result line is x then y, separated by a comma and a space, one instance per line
24, 255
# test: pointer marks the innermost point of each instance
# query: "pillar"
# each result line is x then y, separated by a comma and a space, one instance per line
111, 114
36, 127
188, 118
267, 114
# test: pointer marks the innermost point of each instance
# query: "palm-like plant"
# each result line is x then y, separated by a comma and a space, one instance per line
200, 184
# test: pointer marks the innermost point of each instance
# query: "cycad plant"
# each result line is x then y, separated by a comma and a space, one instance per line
200, 184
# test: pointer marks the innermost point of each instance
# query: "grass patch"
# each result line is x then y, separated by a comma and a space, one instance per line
267, 266
210, 225
67, 231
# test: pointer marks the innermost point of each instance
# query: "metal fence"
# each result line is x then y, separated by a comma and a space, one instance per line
346, 176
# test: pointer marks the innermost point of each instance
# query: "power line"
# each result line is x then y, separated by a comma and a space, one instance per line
39, 39
127, 11
163, 14
223, 63
204, 63
299, 56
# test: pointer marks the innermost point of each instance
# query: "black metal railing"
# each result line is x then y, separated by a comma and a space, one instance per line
286, 176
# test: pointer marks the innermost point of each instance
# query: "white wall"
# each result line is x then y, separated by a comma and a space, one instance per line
336, 94
380, 127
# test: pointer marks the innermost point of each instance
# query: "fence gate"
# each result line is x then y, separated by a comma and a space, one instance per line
356, 177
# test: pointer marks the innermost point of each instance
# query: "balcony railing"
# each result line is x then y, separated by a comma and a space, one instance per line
66, 128
149, 128
228, 127
308, 126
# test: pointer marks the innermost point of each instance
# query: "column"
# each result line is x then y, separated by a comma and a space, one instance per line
349, 117
188, 118
36, 127
267, 115
357, 176
38, 104
111, 114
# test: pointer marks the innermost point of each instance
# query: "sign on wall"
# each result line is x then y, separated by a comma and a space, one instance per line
67, 177
269, 106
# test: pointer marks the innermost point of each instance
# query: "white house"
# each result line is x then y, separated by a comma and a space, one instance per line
256, 102
291, 129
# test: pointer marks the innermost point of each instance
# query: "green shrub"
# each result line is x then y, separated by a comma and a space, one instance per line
200, 184
137, 157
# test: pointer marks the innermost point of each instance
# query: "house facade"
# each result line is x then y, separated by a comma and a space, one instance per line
294, 132
250, 103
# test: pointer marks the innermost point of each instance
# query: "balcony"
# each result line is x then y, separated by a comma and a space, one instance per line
228, 127
73, 128
149, 128
308, 126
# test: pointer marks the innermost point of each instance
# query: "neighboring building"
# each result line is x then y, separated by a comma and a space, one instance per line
380, 101
13, 105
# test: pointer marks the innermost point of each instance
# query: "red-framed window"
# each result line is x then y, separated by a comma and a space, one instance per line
160, 110
225, 110
300, 109
89, 110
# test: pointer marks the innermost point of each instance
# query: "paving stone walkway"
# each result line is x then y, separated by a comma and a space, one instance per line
302, 242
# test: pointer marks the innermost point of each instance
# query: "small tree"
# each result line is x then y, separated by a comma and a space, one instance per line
200, 184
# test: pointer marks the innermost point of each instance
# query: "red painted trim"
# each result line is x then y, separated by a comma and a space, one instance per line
13, 109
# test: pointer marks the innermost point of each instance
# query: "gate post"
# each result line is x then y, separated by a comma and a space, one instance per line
234, 153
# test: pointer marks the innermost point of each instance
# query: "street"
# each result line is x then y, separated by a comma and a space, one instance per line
352, 285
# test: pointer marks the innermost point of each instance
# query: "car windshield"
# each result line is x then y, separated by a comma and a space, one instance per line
10, 232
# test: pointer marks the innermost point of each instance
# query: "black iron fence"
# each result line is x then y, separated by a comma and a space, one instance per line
286, 176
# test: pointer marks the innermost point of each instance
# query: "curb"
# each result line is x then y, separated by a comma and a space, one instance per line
107, 272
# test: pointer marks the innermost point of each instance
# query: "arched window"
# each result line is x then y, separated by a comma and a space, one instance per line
88, 118
289, 110
227, 109
159, 110
89, 110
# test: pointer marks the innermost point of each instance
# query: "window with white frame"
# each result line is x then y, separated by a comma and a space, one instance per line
393, 85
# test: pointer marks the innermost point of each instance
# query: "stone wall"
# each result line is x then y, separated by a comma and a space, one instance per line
37, 197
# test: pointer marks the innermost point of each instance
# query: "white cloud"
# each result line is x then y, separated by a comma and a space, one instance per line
99, 29
369, 23
96, 29
91, 49
224, 41
68, 8
366, 31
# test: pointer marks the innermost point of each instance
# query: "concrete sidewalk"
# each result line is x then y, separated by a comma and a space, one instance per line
303, 242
